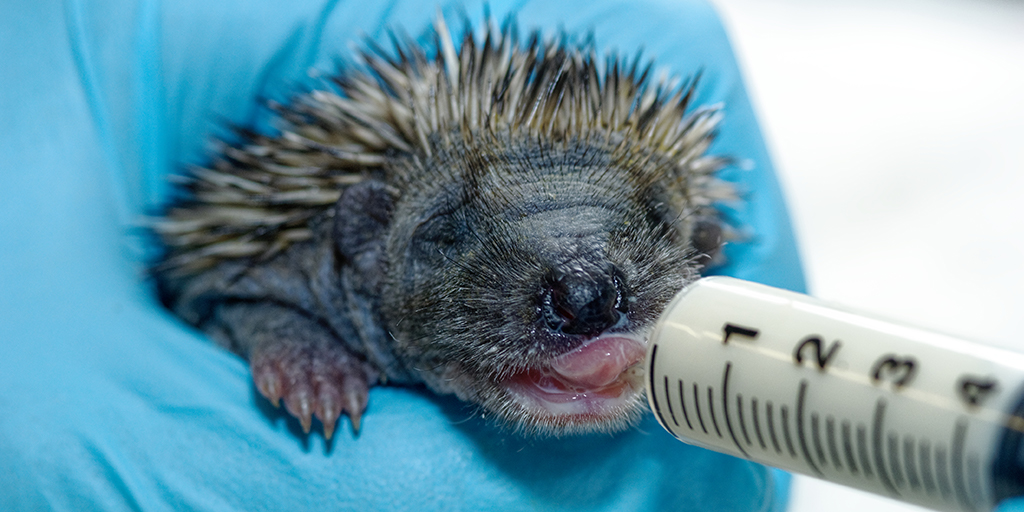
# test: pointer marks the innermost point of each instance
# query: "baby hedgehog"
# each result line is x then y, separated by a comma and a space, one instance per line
503, 221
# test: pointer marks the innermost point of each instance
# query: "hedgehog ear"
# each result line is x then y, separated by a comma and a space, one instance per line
361, 219
707, 239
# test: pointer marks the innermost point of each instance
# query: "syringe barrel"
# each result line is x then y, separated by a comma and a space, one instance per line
792, 382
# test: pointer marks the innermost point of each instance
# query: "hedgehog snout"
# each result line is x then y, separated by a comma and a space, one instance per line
583, 302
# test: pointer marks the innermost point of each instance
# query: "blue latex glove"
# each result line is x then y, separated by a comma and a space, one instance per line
107, 402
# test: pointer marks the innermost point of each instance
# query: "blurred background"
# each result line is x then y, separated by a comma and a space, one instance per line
897, 128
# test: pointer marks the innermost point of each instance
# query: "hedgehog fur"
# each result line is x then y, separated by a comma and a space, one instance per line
503, 220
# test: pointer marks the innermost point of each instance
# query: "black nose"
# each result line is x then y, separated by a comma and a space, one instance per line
579, 302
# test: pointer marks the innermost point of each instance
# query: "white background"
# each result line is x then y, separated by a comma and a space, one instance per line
897, 127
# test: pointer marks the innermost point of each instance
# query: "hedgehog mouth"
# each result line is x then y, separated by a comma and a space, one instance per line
596, 382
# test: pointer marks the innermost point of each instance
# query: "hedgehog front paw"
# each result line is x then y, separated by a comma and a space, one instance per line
319, 379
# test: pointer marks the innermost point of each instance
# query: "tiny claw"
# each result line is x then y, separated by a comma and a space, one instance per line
269, 385
356, 418
298, 405
355, 403
328, 412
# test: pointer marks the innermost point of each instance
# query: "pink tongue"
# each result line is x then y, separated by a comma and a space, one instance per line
599, 362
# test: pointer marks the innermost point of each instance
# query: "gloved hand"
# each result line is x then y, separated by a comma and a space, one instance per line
109, 403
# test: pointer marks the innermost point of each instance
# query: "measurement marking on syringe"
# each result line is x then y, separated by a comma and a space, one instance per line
894, 459
682, 402
903, 463
924, 453
959, 483
711, 407
757, 426
862, 451
725, 409
771, 427
848, 449
876, 445
668, 402
654, 389
833, 450
696, 405
819, 448
908, 463
800, 401
743, 424
785, 430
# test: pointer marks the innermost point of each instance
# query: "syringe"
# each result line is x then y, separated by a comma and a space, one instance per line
786, 380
